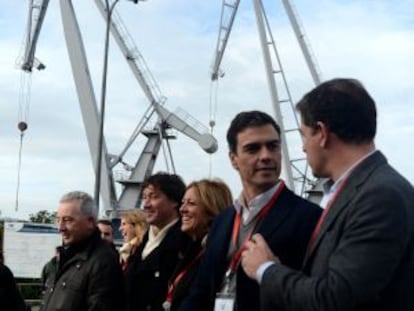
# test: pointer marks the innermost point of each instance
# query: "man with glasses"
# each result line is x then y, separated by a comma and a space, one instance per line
88, 275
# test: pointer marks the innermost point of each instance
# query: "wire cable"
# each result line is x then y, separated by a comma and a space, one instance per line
19, 171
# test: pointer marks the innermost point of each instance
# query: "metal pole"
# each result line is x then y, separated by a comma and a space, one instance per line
273, 92
300, 36
109, 10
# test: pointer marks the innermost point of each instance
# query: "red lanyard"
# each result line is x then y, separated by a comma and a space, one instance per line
323, 216
178, 278
236, 227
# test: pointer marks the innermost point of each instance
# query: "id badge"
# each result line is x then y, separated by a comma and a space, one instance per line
224, 302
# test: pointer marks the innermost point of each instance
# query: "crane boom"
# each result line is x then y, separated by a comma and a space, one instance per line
228, 9
37, 11
304, 45
87, 99
147, 82
133, 56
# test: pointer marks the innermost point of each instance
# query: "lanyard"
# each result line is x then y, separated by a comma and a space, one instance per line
178, 278
236, 227
315, 232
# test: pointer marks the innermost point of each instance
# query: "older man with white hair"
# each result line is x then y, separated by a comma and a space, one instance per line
88, 275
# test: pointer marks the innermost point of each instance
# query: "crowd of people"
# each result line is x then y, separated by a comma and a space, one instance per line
194, 247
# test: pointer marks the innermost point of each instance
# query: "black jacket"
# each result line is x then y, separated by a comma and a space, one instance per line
10, 298
189, 266
88, 277
286, 228
147, 279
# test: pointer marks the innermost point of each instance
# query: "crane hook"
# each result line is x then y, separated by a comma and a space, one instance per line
22, 126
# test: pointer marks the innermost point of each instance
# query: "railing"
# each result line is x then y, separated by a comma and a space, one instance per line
31, 292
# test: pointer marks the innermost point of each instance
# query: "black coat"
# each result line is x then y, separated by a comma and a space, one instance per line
88, 277
286, 228
10, 298
189, 265
147, 279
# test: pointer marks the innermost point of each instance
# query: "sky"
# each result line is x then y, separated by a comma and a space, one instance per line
368, 40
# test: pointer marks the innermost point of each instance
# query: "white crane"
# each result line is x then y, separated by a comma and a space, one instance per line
165, 119
294, 169
37, 11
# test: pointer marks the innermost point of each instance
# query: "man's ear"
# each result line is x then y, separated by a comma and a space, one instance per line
233, 161
323, 133
92, 222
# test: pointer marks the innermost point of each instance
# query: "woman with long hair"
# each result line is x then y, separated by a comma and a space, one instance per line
133, 227
202, 201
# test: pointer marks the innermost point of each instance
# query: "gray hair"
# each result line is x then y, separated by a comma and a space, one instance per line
87, 204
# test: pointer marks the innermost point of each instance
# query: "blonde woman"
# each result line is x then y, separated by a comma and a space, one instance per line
202, 201
133, 227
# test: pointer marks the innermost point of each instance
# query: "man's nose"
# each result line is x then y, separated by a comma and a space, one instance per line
146, 202
265, 153
61, 226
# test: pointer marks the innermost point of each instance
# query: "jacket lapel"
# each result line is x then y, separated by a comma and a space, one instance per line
223, 241
276, 215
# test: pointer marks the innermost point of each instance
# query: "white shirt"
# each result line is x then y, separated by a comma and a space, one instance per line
329, 187
255, 205
154, 240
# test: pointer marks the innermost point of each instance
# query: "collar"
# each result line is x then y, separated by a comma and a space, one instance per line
81, 249
250, 211
154, 240
329, 187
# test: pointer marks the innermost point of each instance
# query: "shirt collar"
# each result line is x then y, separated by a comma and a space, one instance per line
255, 205
329, 187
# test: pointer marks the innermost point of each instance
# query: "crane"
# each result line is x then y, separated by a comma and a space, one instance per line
295, 169
37, 11
130, 196
164, 118
27, 62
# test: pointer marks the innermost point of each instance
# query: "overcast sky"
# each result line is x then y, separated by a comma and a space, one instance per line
369, 40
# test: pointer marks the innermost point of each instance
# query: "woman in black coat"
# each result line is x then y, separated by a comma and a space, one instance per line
202, 201
10, 298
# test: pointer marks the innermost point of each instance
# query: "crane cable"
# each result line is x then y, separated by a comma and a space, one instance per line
213, 102
19, 167
213, 105
23, 114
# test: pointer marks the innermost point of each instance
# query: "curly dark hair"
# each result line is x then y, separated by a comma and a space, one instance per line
171, 185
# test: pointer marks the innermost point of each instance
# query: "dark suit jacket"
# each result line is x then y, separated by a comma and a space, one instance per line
363, 257
147, 280
287, 229
10, 298
190, 265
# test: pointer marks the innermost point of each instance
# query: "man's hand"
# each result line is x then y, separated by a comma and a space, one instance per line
256, 253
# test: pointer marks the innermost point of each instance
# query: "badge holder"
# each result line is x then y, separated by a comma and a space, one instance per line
225, 299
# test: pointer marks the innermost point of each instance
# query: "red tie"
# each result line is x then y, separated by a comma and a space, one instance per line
315, 232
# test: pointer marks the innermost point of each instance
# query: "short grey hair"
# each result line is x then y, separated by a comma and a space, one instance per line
87, 203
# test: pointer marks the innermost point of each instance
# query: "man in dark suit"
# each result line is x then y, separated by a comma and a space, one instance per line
162, 246
361, 253
265, 205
